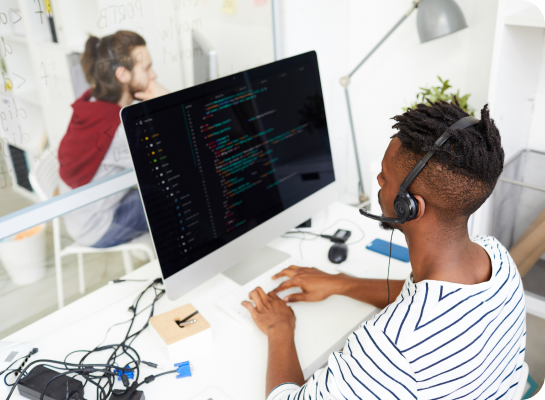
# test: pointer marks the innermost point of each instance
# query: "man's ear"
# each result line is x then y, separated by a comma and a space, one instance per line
421, 207
123, 75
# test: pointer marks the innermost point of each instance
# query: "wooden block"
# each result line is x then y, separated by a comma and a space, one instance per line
182, 343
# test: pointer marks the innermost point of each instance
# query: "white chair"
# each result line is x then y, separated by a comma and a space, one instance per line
522, 382
44, 178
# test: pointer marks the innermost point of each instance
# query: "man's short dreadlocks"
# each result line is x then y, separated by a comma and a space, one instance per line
463, 172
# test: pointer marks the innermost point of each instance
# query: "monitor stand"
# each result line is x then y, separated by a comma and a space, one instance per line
255, 264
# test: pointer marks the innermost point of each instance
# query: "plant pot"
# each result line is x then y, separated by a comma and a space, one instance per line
24, 258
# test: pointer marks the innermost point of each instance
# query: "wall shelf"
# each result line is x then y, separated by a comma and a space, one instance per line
529, 17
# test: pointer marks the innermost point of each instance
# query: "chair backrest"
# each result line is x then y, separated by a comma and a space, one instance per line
44, 175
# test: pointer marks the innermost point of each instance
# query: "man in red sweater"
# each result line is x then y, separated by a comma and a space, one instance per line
118, 68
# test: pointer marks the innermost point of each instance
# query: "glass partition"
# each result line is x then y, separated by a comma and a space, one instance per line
67, 67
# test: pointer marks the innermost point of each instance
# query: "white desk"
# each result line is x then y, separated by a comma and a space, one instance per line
237, 363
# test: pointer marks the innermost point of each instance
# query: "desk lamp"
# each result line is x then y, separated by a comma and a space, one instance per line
435, 18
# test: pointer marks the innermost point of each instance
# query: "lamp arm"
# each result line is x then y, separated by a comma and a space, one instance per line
362, 197
398, 23
345, 82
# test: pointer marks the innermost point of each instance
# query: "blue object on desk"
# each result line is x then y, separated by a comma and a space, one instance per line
383, 247
120, 372
183, 369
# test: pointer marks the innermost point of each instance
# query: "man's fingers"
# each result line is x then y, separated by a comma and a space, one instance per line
256, 296
289, 272
262, 295
250, 307
294, 298
284, 285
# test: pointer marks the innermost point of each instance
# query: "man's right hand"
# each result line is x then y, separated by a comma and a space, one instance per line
153, 90
316, 285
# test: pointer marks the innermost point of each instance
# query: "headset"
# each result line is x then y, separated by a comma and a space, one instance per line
405, 205
114, 63
113, 60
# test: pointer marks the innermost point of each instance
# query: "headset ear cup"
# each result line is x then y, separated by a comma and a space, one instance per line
401, 207
414, 208
406, 207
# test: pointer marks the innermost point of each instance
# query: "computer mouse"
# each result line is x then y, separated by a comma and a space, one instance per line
338, 253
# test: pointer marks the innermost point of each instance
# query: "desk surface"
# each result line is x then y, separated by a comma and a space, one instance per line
237, 363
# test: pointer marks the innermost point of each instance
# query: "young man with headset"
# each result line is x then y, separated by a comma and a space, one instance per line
456, 328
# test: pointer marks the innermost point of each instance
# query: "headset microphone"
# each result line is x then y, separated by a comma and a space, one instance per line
380, 218
405, 205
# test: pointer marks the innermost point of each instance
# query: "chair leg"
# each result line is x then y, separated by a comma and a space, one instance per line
58, 262
150, 254
127, 261
81, 274
58, 275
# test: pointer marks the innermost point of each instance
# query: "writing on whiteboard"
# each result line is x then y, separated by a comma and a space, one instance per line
116, 14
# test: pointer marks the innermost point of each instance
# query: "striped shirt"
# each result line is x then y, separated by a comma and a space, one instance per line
438, 340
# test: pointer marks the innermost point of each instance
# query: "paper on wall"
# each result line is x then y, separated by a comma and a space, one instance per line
229, 7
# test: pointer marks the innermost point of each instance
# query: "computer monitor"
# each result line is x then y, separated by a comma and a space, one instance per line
205, 59
225, 167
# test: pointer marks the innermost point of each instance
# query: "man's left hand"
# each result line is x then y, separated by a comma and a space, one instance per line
270, 311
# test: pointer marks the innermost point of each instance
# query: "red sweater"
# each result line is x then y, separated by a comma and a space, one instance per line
88, 138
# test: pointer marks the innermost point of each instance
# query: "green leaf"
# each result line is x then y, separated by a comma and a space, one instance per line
437, 93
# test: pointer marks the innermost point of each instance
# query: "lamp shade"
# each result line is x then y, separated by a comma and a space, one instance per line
438, 18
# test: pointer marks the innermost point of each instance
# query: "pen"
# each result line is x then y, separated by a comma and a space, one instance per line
182, 324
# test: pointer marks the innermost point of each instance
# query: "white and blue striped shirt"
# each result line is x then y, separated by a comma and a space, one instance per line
438, 340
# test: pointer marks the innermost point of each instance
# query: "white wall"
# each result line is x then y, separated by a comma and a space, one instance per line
345, 31
537, 138
323, 26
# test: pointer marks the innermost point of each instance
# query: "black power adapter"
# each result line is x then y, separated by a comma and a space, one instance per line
119, 394
129, 393
32, 385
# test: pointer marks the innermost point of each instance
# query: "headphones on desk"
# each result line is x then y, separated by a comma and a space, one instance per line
405, 205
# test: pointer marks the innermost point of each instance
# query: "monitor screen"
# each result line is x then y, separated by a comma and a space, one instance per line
218, 159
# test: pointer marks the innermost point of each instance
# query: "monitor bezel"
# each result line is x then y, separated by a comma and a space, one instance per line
238, 249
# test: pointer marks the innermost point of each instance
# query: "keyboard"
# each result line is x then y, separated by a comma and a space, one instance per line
231, 303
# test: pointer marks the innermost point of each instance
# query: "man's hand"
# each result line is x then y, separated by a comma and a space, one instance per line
270, 312
316, 285
152, 91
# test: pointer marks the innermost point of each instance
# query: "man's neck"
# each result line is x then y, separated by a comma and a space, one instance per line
447, 256
126, 99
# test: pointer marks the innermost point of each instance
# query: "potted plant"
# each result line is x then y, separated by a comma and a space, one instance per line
436, 93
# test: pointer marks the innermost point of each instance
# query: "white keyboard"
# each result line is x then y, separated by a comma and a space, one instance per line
231, 303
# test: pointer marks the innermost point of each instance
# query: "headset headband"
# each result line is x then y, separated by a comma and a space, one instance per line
460, 124
114, 64
404, 202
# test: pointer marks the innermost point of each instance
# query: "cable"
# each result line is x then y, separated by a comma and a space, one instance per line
317, 235
16, 370
389, 259
126, 280
151, 378
103, 376
120, 323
